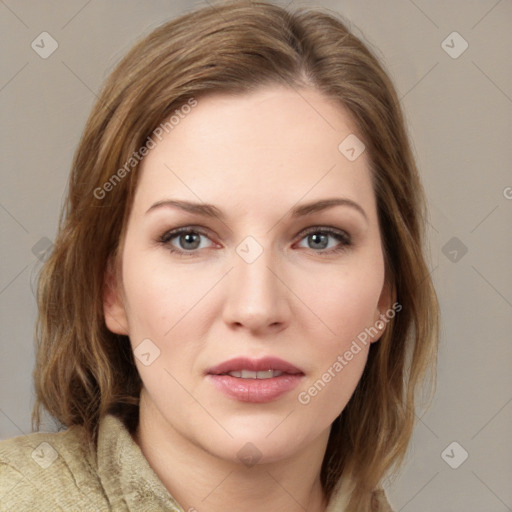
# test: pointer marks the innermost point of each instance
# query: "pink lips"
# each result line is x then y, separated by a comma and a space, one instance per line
256, 390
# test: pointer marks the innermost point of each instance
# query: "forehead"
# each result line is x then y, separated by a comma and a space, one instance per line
271, 147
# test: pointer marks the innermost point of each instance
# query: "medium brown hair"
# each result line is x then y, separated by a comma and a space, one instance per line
84, 371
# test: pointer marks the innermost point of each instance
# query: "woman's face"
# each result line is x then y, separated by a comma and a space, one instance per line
245, 324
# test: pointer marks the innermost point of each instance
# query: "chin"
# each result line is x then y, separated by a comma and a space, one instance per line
260, 442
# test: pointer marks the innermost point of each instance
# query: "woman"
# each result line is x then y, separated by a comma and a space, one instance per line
237, 310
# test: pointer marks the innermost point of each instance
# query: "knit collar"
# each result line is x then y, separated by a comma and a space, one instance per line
129, 481
131, 484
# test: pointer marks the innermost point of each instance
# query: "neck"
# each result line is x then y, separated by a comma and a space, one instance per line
202, 482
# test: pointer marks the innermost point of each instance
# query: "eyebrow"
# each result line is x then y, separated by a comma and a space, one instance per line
209, 210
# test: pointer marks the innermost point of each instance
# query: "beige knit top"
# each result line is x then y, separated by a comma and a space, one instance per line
55, 472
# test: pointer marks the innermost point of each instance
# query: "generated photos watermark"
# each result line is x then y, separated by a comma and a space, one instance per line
137, 156
344, 359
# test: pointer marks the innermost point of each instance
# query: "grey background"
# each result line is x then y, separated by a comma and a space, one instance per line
459, 112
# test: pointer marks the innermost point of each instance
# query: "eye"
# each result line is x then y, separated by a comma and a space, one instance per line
188, 240
326, 240
184, 240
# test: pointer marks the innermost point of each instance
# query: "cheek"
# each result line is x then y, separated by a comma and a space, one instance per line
163, 306
345, 303
346, 308
160, 297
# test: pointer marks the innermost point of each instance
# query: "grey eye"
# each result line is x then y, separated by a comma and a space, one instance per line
318, 241
189, 241
325, 240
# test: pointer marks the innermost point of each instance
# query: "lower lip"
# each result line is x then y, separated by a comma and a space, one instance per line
256, 390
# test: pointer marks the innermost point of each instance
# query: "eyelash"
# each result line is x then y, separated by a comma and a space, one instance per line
342, 237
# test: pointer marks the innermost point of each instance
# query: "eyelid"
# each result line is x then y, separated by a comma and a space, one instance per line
326, 229
174, 232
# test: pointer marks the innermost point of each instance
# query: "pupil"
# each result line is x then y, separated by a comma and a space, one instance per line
319, 239
188, 238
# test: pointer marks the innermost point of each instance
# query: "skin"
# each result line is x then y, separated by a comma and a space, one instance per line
254, 156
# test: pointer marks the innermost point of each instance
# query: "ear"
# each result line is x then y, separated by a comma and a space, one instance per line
113, 307
386, 310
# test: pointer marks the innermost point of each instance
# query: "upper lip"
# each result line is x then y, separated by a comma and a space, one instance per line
255, 365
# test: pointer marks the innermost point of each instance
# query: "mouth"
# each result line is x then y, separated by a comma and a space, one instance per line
247, 368
248, 374
255, 380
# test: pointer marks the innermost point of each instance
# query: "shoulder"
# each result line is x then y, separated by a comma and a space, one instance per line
48, 471
374, 501
380, 502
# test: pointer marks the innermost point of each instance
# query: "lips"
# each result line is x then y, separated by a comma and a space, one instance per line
255, 380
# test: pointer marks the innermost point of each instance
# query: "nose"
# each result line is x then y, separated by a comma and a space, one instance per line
257, 298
